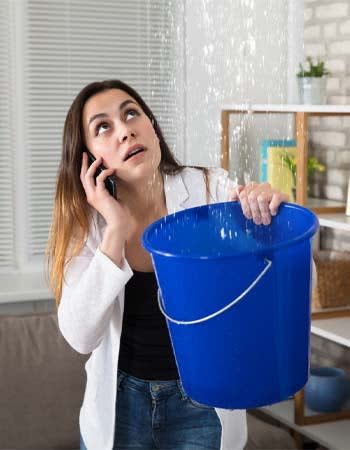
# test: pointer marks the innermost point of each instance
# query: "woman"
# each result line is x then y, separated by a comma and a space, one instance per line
104, 283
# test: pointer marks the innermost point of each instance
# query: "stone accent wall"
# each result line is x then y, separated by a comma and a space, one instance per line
327, 36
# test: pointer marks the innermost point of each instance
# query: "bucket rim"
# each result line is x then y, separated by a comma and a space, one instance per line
302, 237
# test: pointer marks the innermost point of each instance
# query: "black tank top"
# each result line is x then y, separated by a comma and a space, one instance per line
145, 349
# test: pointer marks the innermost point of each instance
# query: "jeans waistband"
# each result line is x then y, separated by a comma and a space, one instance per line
165, 386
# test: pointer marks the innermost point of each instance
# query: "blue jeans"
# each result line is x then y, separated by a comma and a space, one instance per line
159, 415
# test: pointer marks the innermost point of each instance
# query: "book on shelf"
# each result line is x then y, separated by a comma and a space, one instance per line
273, 165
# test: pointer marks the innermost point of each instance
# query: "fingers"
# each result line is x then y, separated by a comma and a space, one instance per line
260, 201
84, 167
101, 178
263, 202
88, 173
247, 200
92, 168
276, 200
234, 194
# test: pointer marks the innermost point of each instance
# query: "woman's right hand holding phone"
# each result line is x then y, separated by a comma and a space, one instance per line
113, 211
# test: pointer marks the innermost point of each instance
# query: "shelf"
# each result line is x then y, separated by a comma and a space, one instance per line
325, 206
334, 435
336, 221
336, 330
325, 109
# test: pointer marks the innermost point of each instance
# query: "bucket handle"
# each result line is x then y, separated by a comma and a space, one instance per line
225, 308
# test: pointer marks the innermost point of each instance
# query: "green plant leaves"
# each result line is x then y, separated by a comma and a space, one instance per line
312, 69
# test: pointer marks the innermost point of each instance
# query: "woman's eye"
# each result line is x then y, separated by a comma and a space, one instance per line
101, 128
132, 113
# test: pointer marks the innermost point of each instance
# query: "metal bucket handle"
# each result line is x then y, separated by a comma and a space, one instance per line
222, 310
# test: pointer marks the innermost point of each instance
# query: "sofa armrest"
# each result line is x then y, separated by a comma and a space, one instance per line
42, 381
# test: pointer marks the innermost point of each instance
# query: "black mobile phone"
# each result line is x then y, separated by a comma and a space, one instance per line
110, 181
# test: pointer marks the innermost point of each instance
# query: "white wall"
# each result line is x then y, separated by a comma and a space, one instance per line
296, 9
237, 51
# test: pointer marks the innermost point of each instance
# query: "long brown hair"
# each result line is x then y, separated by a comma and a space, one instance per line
71, 212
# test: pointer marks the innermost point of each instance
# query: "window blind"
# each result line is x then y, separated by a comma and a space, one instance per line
7, 221
68, 44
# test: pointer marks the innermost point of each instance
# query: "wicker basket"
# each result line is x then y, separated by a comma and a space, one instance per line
333, 280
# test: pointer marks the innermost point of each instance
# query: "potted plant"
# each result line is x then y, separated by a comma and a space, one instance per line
312, 78
313, 165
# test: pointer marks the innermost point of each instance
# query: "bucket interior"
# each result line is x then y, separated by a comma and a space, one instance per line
221, 229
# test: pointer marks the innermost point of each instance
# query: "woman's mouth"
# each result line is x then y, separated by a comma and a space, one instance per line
134, 152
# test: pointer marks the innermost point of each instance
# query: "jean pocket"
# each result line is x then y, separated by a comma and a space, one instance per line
190, 400
197, 404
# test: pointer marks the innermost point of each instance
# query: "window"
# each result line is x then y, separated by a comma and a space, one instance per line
7, 191
60, 47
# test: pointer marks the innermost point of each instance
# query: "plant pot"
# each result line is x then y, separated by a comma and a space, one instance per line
327, 389
312, 90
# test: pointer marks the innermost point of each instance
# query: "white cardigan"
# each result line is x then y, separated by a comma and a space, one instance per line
90, 315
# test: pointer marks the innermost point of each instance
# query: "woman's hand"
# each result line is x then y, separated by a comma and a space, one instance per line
114, 212
258, 201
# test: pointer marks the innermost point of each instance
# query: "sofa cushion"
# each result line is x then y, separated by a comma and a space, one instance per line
42, 382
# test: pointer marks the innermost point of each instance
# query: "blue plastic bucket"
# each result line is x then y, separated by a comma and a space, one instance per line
237, 300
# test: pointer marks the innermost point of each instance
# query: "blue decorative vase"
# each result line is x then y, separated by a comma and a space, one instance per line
327, 389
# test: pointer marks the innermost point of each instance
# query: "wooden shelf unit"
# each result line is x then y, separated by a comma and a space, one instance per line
302, 113
329, 430
335, 221
332, 215
334, 435
335, 329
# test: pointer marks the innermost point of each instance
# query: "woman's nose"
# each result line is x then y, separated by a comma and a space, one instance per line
126, 133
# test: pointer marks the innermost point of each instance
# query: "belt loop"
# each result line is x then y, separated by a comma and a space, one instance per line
120, 377
182, 390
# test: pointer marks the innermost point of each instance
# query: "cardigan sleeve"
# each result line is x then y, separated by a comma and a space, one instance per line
90, 289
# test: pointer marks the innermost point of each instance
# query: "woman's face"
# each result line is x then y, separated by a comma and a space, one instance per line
117, 129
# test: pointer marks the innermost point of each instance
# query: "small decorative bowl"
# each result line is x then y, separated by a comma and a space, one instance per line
327, 389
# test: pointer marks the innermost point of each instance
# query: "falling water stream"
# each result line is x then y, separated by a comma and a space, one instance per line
234, 53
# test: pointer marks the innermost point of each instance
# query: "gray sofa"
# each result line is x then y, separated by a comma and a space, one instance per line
41, 388
41, 384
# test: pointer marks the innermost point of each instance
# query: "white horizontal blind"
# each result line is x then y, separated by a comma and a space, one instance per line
7, 222
69, 43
